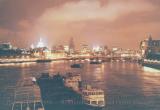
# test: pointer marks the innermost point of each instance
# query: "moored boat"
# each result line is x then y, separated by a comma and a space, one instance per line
96, 62
43, 60
73, 82
65, 93
93, 97
76, 65
152, 60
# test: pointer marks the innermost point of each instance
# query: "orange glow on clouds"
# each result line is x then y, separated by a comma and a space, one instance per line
121, 23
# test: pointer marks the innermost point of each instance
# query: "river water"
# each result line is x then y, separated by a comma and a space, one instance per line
128, 86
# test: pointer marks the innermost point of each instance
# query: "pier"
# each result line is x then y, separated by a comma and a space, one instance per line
27, 96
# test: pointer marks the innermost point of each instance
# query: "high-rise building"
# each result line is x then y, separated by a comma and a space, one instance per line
71, 45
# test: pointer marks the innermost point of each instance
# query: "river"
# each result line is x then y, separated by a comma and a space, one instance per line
127, 86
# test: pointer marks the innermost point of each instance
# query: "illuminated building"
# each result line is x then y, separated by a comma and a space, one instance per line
40, 44
151, 53
98, 49
40, 51
71, 45
150, 46
66, 48
5, 46
7, 50
85, 49
32, 46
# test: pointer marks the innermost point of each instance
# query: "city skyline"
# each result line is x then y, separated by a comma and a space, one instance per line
122, 23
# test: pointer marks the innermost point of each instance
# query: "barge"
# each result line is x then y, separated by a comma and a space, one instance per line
67, 93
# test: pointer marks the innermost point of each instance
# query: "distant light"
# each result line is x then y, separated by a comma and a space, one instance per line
66, 48
40, 44
33, 79
32, 46
115, 49
96, 48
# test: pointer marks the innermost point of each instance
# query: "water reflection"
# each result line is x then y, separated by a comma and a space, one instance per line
127, 85
151, 83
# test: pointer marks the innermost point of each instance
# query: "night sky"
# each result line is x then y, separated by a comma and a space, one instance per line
122, 23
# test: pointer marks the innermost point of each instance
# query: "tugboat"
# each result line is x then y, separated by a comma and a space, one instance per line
56, 95
76, 65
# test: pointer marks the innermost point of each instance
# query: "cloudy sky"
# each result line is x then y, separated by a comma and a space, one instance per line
122, 23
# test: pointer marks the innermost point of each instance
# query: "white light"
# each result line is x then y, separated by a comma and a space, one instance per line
97, 48
66, 48
32, 46
40, 44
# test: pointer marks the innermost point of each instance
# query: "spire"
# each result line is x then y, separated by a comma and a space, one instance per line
150, 37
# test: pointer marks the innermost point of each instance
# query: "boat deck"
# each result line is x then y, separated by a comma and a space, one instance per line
27, 96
